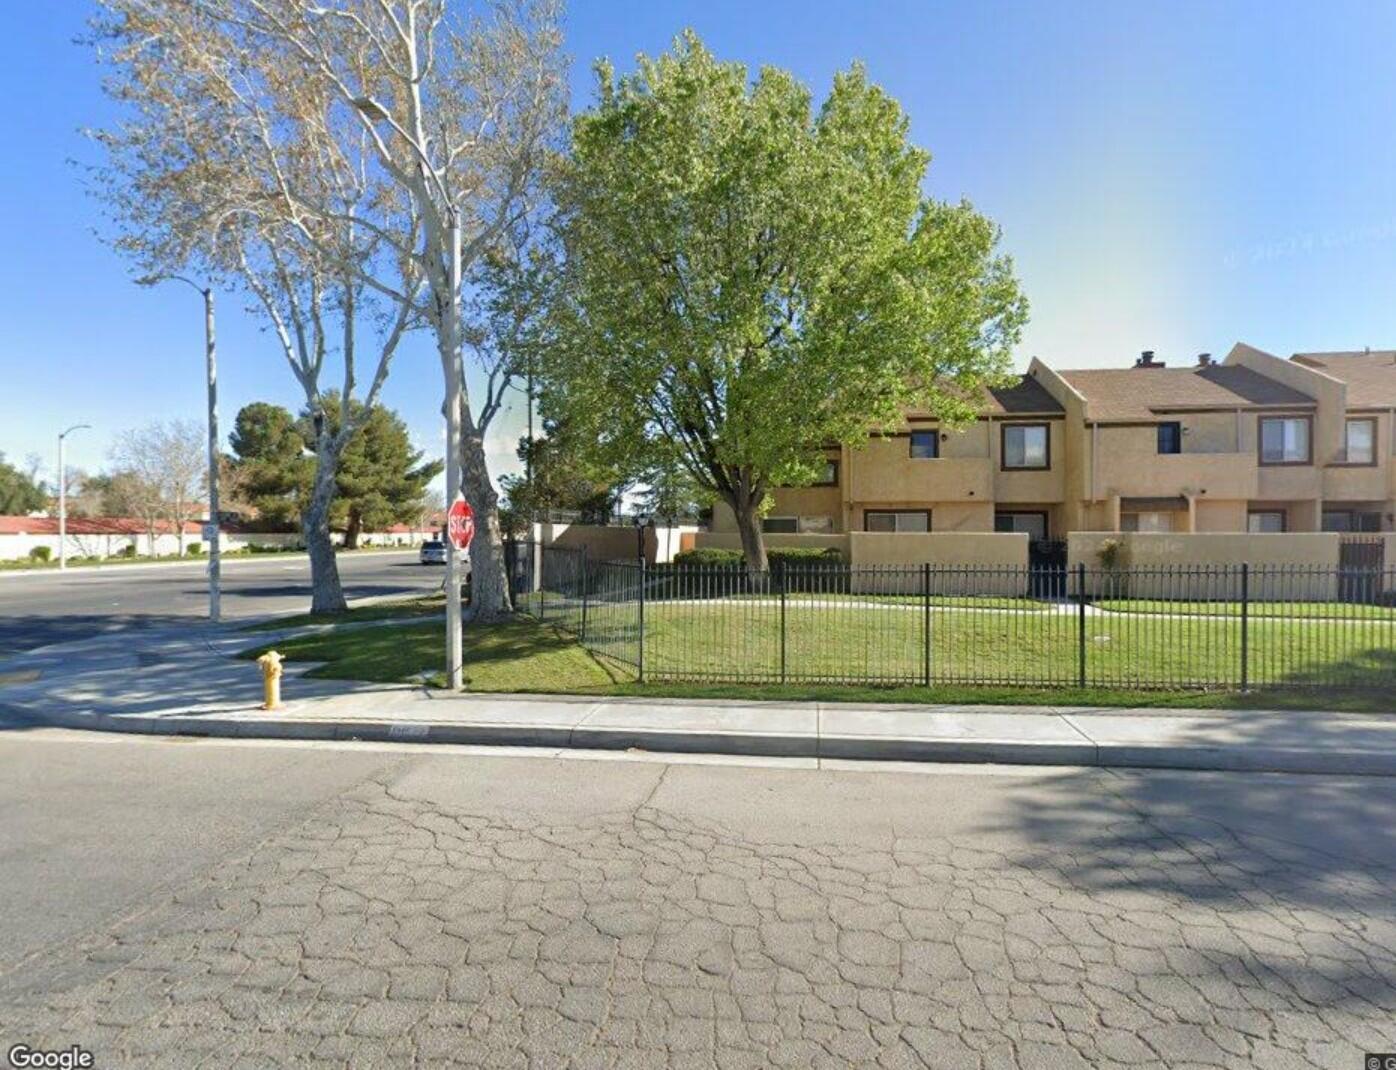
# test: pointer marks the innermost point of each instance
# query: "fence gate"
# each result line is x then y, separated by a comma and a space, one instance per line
1047, 568
1360, 565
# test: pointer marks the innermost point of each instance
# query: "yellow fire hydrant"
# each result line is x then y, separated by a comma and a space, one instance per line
271, 679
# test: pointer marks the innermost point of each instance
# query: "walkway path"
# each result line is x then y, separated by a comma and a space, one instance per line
185, 681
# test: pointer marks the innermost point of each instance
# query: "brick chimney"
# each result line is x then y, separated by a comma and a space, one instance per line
1204, 360
1146, 360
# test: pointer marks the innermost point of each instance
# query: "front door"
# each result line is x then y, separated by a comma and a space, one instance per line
1046, 557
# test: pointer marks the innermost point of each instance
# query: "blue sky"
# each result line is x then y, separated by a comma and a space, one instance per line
1171, 176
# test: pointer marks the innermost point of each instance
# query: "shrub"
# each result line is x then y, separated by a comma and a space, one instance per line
804, 555
40, 553
708, 557
714, 557
195, 549
711, 572
129, 550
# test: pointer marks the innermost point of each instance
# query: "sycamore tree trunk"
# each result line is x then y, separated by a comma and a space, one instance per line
326, 593
489, 581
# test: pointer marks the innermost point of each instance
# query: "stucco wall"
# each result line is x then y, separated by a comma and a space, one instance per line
803, 501
730, 540
984, 563
604, 543
884, 470
1172, 553
1030, 485
1220, 515
1330, 394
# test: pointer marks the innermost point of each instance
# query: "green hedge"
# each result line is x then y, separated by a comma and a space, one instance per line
710, 572
713, 557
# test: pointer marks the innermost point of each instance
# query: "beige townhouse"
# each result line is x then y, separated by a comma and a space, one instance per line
1253, 443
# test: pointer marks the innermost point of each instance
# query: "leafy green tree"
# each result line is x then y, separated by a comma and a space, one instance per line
381, 480
20, 493
557, 477
273, 466
745, 278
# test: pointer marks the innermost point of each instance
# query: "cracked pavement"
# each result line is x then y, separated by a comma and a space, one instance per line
452, 908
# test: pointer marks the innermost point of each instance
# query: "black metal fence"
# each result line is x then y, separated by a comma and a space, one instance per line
1221, 628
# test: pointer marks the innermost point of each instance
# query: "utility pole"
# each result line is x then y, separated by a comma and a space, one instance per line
454, 675
211, 530
211, 533
63, 496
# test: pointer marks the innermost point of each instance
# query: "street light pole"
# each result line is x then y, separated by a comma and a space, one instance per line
63, 496
211, 532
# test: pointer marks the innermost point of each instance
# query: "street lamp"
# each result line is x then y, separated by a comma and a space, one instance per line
63, 496
211, 532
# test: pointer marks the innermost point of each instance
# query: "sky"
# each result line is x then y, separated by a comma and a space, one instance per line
1175, 177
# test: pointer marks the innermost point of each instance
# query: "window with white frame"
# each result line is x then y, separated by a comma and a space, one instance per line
1285, 440
1025, 446
911, 520
1360, 441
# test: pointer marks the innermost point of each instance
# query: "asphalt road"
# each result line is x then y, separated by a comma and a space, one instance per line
50, 607
228, 903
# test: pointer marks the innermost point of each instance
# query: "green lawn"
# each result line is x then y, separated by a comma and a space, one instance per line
740, 641
514, 655
1296, 610
523, 655
425, 606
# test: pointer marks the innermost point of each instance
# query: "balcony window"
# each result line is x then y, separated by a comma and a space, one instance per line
816, 525
1033, 525
897, 520
1286, 440
1265, 521
1146, 521
1026, 446
1346, 520
1170, 437
1360, 441
780, 525
925, 445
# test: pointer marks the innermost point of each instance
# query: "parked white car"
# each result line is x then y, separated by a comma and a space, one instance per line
433, 552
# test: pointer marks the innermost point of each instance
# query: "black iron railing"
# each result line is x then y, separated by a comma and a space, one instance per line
1215, 628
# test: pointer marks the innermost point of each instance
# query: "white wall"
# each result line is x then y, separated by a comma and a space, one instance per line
16, 547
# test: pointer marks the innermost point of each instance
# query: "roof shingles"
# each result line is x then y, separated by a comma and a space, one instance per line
1140, 393
1370, 375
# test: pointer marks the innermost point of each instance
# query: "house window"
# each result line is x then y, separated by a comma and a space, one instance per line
1350, 520
829, 474
1026, 446
1360, 441
1265, 521
780, 525
1285, 440
1150, 521
1170, 437
816, 525
897, 520
925, 445
1033, 525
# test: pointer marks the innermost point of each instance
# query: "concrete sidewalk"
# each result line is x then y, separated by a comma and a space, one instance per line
186, 683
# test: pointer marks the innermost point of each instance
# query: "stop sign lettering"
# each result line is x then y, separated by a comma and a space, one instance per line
460, 524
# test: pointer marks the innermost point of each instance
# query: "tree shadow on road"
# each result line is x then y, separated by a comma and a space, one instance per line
1320, 841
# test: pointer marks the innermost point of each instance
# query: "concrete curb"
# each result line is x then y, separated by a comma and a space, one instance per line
1241, 758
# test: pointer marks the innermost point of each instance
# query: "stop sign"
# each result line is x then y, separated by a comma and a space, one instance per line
460, 524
